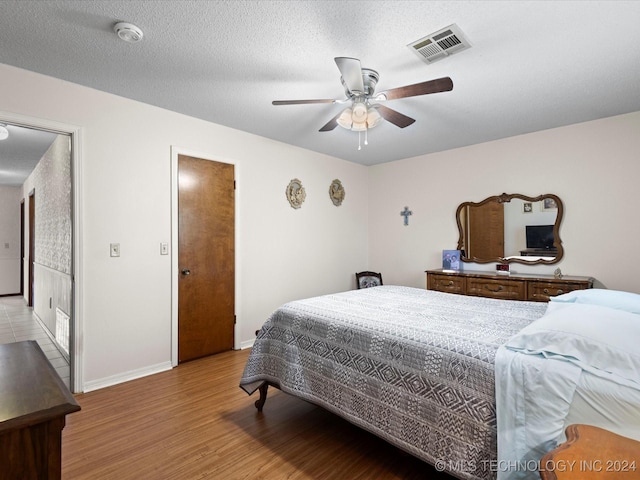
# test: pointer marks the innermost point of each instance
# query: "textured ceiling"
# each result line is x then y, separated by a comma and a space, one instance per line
532, 65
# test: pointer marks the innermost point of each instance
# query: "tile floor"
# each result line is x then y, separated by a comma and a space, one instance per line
17, 323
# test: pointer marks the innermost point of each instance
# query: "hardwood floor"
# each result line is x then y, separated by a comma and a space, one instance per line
195, 422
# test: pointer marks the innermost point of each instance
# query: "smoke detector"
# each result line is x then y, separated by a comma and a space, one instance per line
440, 44
128, 32
4, 132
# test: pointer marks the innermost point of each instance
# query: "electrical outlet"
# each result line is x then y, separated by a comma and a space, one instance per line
115, 249
164, 248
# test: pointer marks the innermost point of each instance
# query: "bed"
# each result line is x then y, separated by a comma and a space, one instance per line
413, 366
418, 368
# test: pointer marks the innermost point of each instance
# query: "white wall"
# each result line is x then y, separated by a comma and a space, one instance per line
283, 254
10, 198
593, 167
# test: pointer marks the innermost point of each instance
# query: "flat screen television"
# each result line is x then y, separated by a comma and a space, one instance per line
539, 236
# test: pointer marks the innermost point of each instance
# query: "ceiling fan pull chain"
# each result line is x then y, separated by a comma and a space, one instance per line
366, 131
359, 145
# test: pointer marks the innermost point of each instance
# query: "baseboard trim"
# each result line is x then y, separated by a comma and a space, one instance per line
126, 376
247, 344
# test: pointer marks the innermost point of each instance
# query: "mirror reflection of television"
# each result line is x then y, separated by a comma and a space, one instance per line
539, 236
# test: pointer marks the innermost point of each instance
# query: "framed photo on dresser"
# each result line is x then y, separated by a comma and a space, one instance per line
451, 260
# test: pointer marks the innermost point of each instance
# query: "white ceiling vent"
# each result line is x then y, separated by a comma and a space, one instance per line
440, 44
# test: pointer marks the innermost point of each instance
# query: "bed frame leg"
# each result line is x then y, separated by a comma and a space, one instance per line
263, 396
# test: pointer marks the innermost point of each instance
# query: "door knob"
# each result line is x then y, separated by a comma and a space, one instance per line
186, 271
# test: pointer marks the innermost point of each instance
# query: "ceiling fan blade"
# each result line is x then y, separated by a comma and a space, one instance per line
351, 74
397, 118
331, 124
302, 102
444, 84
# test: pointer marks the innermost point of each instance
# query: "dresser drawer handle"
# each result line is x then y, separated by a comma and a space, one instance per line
500, 287
559, 292
450, 284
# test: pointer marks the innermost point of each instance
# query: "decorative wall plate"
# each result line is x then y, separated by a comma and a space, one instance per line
336, 192
295, 193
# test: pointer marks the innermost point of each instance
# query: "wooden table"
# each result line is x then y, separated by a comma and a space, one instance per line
33, 404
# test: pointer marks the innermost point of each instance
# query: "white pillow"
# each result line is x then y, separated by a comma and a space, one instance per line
627, 301
602, 340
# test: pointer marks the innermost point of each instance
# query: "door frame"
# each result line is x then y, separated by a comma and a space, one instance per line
22, 225
31, 254
76, 135
175, 272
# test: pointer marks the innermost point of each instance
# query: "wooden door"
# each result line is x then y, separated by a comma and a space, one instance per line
486, 231
206, 257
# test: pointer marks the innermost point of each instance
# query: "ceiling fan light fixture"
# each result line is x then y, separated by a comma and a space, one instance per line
345, 120
359, 127
4, 133
359, 114
373, 117
359, 118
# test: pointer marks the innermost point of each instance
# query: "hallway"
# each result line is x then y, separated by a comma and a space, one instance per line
17, 323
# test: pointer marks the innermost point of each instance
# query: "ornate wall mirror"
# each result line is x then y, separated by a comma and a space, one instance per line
511, 228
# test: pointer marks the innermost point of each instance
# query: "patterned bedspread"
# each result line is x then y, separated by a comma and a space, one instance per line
413, 366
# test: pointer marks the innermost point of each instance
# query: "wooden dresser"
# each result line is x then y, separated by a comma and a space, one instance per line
34, 402
537, 288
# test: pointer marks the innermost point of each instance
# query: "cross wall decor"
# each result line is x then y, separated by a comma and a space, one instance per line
405, 213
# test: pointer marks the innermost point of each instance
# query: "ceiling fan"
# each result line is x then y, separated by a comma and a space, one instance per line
365, 110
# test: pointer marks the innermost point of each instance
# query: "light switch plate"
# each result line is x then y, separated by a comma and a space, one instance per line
115, 249
164, 248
